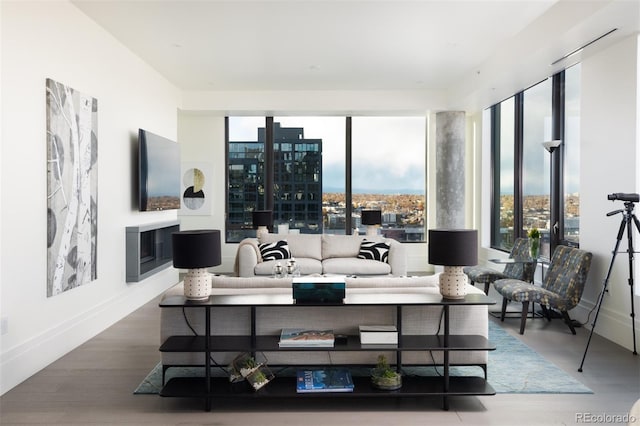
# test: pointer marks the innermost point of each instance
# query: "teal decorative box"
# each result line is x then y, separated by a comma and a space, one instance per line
312, 289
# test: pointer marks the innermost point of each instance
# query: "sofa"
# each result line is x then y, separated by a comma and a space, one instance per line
321, 254
236, 320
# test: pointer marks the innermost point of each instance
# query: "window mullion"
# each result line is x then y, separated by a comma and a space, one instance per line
518, 155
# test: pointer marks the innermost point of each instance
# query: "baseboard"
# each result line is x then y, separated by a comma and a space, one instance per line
612, 325
23, 361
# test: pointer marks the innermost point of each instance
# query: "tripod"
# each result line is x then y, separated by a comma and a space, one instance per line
626, 223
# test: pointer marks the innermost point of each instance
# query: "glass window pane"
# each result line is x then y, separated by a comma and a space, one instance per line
309, 183
572, 155
245, 175
536, 162
506, 174
388, 173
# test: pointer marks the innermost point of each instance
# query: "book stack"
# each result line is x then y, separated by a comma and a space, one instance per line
378, 335
305, 338
324, 380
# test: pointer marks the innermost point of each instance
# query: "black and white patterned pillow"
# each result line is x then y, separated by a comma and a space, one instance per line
374, 251
275, 251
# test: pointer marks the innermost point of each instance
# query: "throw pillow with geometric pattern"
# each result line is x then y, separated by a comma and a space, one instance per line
275, 251
374, 250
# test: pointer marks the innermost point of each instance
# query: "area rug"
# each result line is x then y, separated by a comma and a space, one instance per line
513, 368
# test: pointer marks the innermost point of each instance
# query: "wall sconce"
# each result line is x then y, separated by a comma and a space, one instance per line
551, 146
196, 251
453, 249
373, 219
262, 219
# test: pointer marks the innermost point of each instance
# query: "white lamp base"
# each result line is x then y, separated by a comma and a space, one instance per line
262, 230
372, 230
453, 283
197, 284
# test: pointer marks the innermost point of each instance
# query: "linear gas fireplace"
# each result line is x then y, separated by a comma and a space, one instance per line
148, 249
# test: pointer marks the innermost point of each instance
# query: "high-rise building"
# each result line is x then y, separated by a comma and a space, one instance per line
297, 181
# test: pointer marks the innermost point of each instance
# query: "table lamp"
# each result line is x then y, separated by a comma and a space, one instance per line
373, 219
262, 219
196, 251
453, 249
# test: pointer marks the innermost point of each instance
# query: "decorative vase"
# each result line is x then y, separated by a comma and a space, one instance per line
534, 244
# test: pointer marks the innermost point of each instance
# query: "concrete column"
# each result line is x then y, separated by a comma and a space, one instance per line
450, 169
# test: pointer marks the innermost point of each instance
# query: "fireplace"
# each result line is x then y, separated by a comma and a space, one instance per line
149, 249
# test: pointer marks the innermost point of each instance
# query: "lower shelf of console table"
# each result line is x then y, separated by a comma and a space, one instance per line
285, 387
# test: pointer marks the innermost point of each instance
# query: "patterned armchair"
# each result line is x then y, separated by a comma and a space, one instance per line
519, 270
561, 289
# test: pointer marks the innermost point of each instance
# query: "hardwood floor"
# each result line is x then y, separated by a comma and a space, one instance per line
94, 385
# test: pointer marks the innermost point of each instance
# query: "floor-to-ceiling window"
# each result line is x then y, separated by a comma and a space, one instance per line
524, 176
388, 173
317, 173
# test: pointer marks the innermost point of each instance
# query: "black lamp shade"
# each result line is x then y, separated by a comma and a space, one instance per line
262, 218
371, 217
196, 248
453, 247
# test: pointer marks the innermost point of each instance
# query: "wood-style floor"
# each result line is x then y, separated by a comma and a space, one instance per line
94, 385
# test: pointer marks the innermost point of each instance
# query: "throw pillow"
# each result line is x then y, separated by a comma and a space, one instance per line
275, 251
374, 250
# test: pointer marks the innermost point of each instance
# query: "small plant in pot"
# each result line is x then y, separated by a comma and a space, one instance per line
384, 377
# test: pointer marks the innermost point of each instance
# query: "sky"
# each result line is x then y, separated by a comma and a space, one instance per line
388, 152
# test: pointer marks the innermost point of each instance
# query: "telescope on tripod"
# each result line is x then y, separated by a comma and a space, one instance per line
626, 223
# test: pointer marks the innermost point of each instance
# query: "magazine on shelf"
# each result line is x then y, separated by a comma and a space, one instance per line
378, 335
324, 380
305, 338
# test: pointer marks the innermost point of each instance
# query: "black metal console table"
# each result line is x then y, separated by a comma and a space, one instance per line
210, 388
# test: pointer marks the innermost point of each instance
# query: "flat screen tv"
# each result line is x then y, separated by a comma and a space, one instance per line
158, 172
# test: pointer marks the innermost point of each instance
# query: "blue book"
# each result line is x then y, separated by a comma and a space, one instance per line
324, 380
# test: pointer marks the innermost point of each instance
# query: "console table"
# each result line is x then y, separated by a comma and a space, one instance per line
210, 388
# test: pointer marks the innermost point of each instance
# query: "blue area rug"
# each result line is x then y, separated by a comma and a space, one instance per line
513, 368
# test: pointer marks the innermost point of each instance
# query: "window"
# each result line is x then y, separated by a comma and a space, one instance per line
503, 148
536, 177
299, 168
531, 187
571, 174
388, 173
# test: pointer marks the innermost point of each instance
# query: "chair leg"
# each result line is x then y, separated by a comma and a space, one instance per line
568, 321
504, 308
546, 312
486, 287
523, 318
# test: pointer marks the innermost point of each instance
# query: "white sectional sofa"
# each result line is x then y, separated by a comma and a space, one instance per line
321, 254
419, 320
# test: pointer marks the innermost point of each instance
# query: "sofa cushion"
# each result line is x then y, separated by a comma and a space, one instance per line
274, 251
374, 250
340, 245
354, 266
300, 245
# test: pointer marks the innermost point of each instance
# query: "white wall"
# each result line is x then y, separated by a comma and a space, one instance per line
609, 163
54, 40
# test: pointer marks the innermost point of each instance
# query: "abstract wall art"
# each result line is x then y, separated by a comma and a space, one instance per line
196, 189
72, 188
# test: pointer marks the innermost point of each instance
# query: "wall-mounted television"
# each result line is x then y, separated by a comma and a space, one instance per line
158, 172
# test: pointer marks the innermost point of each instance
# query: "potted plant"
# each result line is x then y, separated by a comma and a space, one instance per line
534, 242
384, 377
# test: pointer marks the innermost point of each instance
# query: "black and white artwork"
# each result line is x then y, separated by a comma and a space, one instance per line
196, 189
72, 188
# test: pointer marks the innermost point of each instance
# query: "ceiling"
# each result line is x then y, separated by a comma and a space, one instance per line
468, 49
